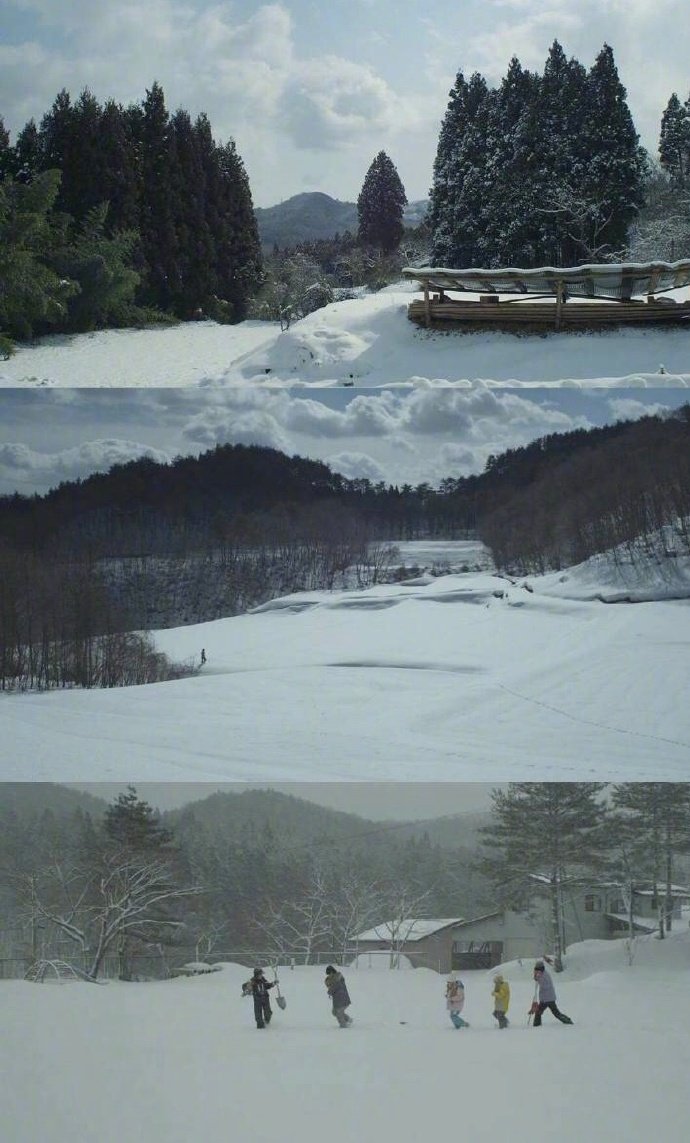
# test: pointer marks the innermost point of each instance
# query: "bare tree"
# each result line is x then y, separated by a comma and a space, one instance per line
301, 926
97, 910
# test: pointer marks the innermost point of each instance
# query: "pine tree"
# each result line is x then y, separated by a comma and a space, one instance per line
542, 834
32, 296
101, 264
134, 825
237, 242
193, 234
459, 174
659, 813
615, 164
442, 192
28, 153
510, 211
674, 141
6, 153
380, 206
160, 207
120, 168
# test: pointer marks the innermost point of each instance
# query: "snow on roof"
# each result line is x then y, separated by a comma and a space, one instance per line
410, 929
605, 280
645, 924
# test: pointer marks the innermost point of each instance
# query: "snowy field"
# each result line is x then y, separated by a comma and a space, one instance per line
459, 677
181, 1060
366, 341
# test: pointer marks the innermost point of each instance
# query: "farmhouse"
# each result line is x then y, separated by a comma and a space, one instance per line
510, 298
600, 911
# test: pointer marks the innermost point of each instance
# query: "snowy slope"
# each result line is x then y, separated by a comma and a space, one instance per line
177, 1060
367, 341
460, 677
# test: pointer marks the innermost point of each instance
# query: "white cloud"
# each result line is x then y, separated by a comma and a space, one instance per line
628, 409
22, 466
357, 465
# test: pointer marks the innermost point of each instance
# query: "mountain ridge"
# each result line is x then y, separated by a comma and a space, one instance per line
313, 215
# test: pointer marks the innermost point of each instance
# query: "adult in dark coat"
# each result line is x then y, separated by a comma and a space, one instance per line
258, 988
337, 990
546, 996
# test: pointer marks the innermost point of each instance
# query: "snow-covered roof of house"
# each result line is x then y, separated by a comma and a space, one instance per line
645, 924
605, 280
676, 890
410, 929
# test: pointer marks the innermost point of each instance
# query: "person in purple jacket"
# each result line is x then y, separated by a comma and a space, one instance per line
340, 997
546, 996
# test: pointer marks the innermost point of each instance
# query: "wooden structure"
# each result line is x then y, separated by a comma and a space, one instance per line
563, 297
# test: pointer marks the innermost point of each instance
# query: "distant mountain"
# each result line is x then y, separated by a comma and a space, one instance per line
292, 818
313, 215
31, 799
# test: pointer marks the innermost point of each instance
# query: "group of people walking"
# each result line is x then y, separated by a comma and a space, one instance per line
258, 988
544, 997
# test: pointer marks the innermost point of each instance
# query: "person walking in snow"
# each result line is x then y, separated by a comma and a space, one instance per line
546, 996
455, 1002
203, 656
501, 997
258, 988
340, 997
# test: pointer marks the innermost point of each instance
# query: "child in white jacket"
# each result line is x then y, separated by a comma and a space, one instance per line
455, 1002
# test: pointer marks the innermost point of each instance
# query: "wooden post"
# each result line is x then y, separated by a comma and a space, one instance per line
559, 303
427, 306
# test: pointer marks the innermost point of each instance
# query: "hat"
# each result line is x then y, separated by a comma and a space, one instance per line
539, 966
329, 969
498, 976
258, 972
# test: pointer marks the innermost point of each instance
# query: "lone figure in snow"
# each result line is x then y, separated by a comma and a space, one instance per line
258, 988
337, 990
455, 1002
501, 996
546, 996
203, 656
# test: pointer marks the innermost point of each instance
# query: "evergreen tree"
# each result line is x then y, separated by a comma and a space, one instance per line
615, 164
442, 192
557, 182
459, 173
32, 295
542, 834
6, 153
659, 814
380, 206
160, 207
28, 153
237, 242
102, 267
512, 201
674, 141
134, 825
194, 239
120, 168
59, 143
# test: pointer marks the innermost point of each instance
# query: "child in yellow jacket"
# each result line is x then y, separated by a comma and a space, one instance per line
501, 998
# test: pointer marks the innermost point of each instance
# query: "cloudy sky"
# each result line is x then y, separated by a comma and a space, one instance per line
311, 91
393, 435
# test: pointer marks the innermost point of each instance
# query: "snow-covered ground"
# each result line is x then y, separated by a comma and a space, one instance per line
366, 341
176, 1060
460, 677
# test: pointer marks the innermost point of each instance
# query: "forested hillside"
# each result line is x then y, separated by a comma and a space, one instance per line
236, 874
152, 545
117, 216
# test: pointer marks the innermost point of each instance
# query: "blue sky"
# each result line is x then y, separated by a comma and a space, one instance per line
310, 91
392, 435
